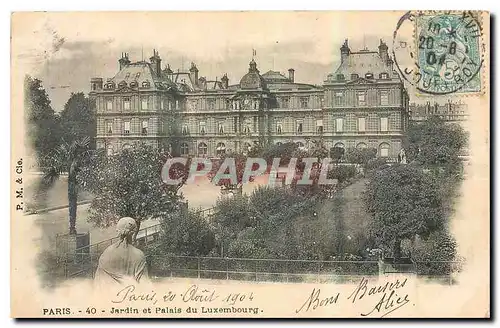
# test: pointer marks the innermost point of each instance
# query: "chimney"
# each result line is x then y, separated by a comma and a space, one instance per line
96, 83
156, 63
344, 51
193, 73
123, 61
382, 51
225, 81
291, 75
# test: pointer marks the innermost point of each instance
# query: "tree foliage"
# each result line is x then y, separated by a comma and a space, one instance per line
42, 122
129, 184
78, 119
186, 233
433, 143
360, 156
404, 202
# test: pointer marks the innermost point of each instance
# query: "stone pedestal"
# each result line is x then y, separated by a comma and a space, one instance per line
69, 244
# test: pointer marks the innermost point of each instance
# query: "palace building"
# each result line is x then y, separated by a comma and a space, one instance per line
362, 104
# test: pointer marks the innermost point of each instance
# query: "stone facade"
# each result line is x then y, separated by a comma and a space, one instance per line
450, 112
362, 104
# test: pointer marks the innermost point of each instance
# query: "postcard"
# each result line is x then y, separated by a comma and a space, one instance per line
280, 164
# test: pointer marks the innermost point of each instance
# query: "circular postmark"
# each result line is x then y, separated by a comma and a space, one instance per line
439, 52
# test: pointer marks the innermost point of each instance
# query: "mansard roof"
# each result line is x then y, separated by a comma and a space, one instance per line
272, 76
362, 63
139, 74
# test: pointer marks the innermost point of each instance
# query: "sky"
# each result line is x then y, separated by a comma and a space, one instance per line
65, 50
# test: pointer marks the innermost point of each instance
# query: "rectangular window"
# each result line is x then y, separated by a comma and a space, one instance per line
109, 127
285, 102
339, 98
221, 128
162, 104
203, 129
235, 124
383, 124
384, 98
126, 103
185, 129
299, 127
144, 103
109, 104
279, 128
144, 127
211, 104
126, 127
361, 124
304, 102
339, 125
361, 99
319, 126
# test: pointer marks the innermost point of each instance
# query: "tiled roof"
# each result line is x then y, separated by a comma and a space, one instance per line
363, 62
135, 74
274, 76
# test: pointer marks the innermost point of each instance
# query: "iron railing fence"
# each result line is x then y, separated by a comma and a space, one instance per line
269, 270
144, 237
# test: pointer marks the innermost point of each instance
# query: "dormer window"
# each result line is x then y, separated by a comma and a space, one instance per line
145, 84
340, 77
127, 75
137, 75
369, 75
384, 75
122, 84
133, 84
354, 76
109, 85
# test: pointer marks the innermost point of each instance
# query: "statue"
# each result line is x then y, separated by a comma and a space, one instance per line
121, 262
402, 156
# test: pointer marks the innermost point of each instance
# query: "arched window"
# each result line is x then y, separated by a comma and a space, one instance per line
354, 76
145, 84
109, 150
202, 149
184, 149
299, 144
122, 84
279, 143
339, 145
369, 75
221, 148
133, 84
126, 146
384, 149
109, 85
361, 145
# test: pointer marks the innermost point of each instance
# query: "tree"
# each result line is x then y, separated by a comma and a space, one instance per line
129, 184
78, 119
240, 161
404, 202
433, 143
437, 254
186, 233
42, 121
68, 158
336, 153
360, 156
